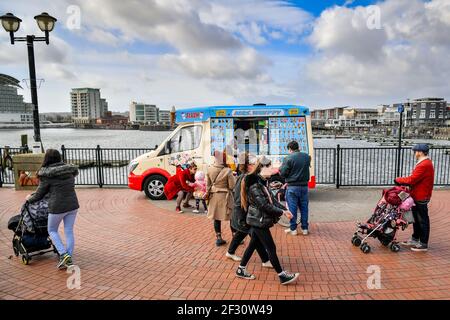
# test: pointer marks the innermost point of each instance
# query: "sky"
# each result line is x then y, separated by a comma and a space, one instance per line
186, 53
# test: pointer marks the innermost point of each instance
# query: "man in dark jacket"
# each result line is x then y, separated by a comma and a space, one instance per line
295, 169
421, 183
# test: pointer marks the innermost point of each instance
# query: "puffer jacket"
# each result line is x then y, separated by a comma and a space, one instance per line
239, 216
57, 180
264, 210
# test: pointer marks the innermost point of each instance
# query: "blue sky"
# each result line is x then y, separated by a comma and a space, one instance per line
204, 52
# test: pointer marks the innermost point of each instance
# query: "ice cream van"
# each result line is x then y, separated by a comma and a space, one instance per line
259, 129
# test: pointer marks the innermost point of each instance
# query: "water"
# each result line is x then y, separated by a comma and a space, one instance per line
90, 138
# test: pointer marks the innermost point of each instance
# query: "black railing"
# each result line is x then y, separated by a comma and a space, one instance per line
334, 166
6, 163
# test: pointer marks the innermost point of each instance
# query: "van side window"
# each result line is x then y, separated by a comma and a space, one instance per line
188, 138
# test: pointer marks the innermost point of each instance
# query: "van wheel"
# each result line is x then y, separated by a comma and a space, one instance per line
154, 187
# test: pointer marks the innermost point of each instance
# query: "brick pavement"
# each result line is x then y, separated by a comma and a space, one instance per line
128, 248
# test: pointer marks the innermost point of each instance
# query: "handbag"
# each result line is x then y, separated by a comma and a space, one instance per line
208, 192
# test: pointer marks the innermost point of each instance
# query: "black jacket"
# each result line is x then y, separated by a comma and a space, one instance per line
238, 217
262, 212
58, 180
295, 169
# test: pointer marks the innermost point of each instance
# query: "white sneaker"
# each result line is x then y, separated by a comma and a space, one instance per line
232, 257
267, 264
305, 232
195, 211
291, 232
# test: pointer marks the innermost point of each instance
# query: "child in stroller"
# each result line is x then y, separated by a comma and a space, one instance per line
30, 231
393, 211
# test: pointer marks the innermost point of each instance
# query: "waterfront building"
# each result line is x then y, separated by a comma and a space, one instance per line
86, 105
164, 117
431, 112
104, 107
13, 110
141, 113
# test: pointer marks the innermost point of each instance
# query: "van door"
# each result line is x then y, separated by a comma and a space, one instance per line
184, 147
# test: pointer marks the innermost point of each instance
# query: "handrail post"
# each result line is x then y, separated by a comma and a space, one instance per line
338, 166
99, 167
1, 168
63, 153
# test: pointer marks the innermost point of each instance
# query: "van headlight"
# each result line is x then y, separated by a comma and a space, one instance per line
133, 164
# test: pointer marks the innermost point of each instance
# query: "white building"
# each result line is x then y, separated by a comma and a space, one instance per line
86, 105
164, 116
13, 110
143, 113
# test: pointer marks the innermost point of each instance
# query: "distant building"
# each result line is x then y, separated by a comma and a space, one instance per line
12, 107
321, 117
143, 113
104, 106
389, 115
427, 111
164, 116
87, 105
56, 116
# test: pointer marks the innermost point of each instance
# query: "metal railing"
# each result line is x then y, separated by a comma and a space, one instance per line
6, 163
102, 166
334, 166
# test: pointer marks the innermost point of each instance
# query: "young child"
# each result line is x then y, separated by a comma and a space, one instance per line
200, 191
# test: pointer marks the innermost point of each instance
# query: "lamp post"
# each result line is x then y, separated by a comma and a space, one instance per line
401, 109
46, 23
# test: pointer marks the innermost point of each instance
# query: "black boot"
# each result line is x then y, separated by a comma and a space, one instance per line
219, 241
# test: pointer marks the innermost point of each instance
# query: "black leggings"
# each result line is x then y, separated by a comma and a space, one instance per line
237, 239
218, 227
262, 237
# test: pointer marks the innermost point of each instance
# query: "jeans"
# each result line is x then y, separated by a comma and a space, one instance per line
297, 198
197, 204
183, 195
421, 223
236, 241
263, 238
54, 220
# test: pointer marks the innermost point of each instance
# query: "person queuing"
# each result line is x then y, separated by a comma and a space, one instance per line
178, 185
295, 170
220, 183
421, 182
263, 211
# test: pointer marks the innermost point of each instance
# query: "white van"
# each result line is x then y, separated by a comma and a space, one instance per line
260, 129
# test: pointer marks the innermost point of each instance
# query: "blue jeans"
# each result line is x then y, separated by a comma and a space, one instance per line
297, 198
54, 220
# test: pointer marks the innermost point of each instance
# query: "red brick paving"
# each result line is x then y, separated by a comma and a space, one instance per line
127, 248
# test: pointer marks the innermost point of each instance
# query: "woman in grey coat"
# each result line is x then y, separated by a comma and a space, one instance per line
57, 179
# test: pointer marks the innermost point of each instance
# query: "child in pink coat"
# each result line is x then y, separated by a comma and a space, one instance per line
200, 191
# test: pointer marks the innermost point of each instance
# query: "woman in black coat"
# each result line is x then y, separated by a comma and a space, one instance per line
263, 211
239, 215
57, 179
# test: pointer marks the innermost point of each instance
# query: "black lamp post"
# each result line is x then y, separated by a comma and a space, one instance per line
46, 23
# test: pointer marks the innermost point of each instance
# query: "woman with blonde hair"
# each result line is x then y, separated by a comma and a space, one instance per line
263, 211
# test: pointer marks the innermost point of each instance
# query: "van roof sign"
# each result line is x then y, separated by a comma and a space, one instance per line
204, 113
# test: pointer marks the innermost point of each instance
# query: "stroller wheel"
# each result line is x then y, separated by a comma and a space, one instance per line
356, 241
26, 259
394, 247
16, 251
365, 248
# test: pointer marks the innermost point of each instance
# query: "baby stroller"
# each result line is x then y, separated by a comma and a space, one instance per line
30, 231
278, 189
393, 211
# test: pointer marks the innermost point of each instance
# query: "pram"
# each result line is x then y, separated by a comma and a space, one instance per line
393, 211
30, 231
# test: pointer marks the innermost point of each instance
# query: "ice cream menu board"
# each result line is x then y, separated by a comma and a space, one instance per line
284, 130
221, 134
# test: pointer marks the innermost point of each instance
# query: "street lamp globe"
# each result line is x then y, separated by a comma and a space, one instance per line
10, 22
45, 22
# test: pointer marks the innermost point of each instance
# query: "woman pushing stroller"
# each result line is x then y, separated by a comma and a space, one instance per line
57, 180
